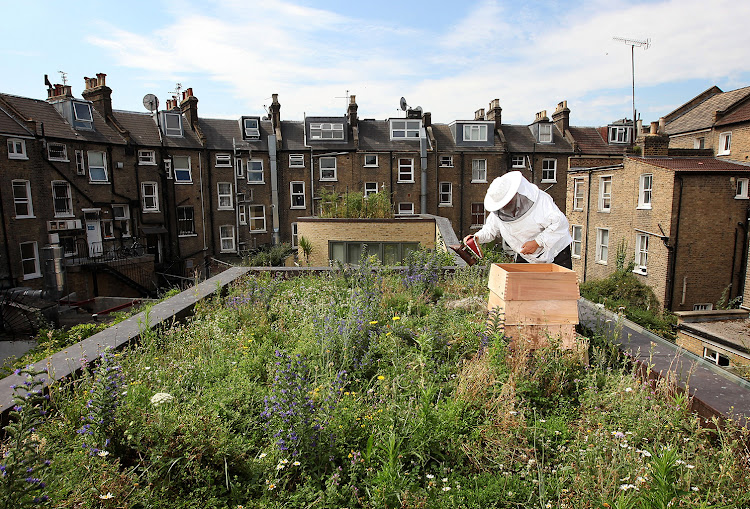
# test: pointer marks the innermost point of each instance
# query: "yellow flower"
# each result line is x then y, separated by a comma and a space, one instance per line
396, 318
271, 486
381, 377
374, 322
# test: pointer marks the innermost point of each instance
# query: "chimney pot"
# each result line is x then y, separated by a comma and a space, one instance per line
352, 99
275, 98
479, 114
542, 115
654, 127
101, 79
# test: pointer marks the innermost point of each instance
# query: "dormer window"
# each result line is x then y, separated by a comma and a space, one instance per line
251, 128
619, 134
82, 116
405, 129
545, 133
475, 132
326, 131
173, 124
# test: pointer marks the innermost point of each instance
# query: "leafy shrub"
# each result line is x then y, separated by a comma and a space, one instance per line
271, 256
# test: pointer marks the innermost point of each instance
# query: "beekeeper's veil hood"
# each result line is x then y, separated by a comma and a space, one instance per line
511, 196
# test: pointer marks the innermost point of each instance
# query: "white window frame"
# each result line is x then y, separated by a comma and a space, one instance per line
124, 214
37, 269
89, 119
26, 201
699, 142
108, 229
545, 133
446, 194
172, 131
168, 169
578, 197
251, 132
226, 238
741, 189
446, 161
602, 247
605, 198
474, 215
147, 157
253, 218
405, 208
405, 170
295, 235
13, 149
182, 232
475, 132
224, 196
63, 156
327, 131
370, 188
645, 190
725, 144
703, 306
576, 232
405, 129
298, 193
255, 173
715, 356
242, 213
296, 160
619, 134
182, 175
239, 168
149, 190
80, 163
373, 160
518, 161
97, 168
641, 254
223, 161
478, 171
59, 184
549, 165
327, 169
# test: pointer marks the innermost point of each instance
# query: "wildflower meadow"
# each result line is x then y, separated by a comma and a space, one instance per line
362, 388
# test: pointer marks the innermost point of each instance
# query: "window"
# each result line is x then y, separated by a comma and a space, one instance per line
242, 213
226, 232
82, 114
644, 191
477, 215
389, 253
295, 239
62, 199
185, 221
605, 193
725, 144
405, 128
577, 194
327, 168
296, 160
239, 168
518, 161
326, 131
405, 208
251, 128
121, 213
80, 164
699, 142
150, 198
706, 306
602, 245
405, 170
475, 133
16, 149
446, 161
147, 157
181, 169
619, 134
224, 191
30, 260
22, 199
545, 133
223, 160
446, 194
255, 171
549, 170
371, 160
742, 189
641, 254
168, 168
172, 124
108, 231
57, 152
370, 188
717, 358
297, 192
577, 234
479, 170
97, 166
257, 218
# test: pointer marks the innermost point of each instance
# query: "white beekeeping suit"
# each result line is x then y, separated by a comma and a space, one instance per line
521, 212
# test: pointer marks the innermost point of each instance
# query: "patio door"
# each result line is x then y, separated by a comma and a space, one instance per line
92, 218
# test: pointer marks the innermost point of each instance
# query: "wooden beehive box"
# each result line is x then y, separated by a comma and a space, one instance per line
536, 301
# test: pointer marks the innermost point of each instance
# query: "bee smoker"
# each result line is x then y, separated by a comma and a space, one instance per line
469, 251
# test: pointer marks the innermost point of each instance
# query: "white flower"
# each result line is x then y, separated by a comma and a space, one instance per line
279, 466
103, 453
694, 488
429, 476
690, 466
262, 455
513, 412
628, 389
160, 398
445, 479
446, 488
107, 496
296, 463
626, 487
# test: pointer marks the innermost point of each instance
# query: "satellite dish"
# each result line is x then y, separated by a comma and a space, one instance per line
150, 102
418, 108
403, 104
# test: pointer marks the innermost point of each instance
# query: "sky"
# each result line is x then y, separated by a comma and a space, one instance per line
450, 58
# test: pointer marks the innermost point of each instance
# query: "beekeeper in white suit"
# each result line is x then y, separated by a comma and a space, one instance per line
528, 220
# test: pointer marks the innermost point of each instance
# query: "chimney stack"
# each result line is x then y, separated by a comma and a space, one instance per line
426, 119
541, 117
189, 106
59, 92
653, 143
561, 117
275, 112
99, 94
351, 111
479, 114
495, 112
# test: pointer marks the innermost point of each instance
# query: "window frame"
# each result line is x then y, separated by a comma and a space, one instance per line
546, 127
12, 146
181, 173
336, 130
408, 208
645, 194
253, 173
226, 196
69, 198
154, 195
172, 132
147, 157
239, 168
27, 201
478, 174
168, 169
716, 358
699, 142
37, 266
548, 180
189, 221
641, 254
605, 198
578, 183
251, 133
371, 164
475, 214
223, 160
373, 188
616, 132
445, 192
600, 245
402, 173
80, 163
97, 168
242, 213
469, 130
64, 152
410, 128
294, 235
333, 169
576, 247
742, 191
515, 164
224, 237
296, 160
725, 144
252, 218
448, 160
297, 194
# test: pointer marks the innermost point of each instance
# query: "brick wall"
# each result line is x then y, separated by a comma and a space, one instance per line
696, 346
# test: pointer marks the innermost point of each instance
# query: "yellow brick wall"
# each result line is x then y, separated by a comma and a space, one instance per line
320, 231
695, 345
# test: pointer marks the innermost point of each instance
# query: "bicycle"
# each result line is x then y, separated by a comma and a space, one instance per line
134, 249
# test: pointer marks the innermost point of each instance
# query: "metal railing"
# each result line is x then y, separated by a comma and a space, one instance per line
104, 251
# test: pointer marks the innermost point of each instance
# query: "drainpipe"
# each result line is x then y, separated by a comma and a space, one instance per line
423, 163
203, 208
5, 237
743, 257
390, 162
588, 215
236, 209
672, 252
463, 210
312, 182
274, 188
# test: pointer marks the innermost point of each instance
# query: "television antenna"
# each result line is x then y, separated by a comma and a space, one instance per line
645, 44
64, 76
176, 93
346, 100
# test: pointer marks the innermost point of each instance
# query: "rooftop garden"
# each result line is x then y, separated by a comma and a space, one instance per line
355, 204
362, 388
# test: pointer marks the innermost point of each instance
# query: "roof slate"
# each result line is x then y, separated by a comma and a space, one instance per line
9, 125
741, 114
521, 140
693, 164
221, 134
375, 135
144, 131
702, 115
591, 141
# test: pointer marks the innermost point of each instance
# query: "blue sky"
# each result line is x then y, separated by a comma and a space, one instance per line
450, 58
